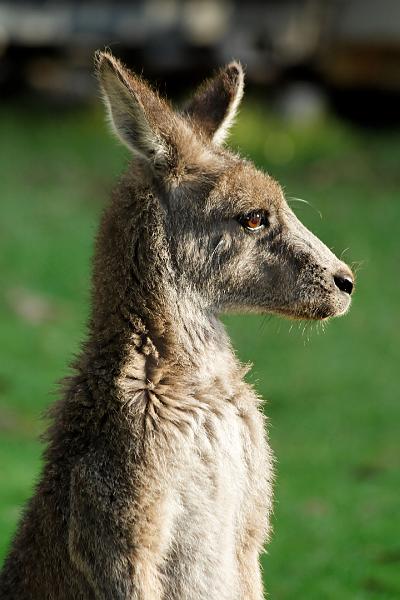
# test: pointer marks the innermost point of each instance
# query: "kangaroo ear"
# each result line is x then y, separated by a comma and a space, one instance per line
214, 106
132, 107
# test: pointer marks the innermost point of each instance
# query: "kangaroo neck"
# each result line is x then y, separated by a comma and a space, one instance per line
182, 342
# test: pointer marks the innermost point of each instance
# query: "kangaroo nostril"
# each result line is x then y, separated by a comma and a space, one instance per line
344, 283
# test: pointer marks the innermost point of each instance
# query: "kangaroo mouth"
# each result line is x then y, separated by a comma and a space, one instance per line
317, 311
314, 314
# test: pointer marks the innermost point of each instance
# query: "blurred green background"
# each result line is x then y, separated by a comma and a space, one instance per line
332, 396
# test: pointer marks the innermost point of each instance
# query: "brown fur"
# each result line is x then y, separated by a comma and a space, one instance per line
157, 475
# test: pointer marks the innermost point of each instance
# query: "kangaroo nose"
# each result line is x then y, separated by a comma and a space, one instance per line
344, 282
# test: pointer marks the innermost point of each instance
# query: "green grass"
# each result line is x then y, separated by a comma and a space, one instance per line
332, 397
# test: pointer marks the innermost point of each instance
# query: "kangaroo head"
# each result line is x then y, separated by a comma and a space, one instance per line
220, 229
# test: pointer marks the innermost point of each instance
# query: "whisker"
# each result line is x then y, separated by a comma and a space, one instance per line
294, 199
263, 323
357, 265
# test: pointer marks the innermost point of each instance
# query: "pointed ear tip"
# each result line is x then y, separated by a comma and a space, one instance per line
235, 70
100, 59
103, 59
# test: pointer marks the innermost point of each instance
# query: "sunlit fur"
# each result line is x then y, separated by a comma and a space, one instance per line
157, 480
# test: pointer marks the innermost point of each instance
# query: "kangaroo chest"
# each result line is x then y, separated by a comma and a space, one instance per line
222, 493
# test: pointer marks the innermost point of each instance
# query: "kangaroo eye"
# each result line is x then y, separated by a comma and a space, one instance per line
254, 220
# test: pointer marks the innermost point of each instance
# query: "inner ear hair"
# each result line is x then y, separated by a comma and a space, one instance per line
125, 109
214, 106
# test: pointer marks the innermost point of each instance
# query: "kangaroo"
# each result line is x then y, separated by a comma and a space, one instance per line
157, 478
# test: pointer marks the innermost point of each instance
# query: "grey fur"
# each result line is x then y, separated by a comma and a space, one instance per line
157, 480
